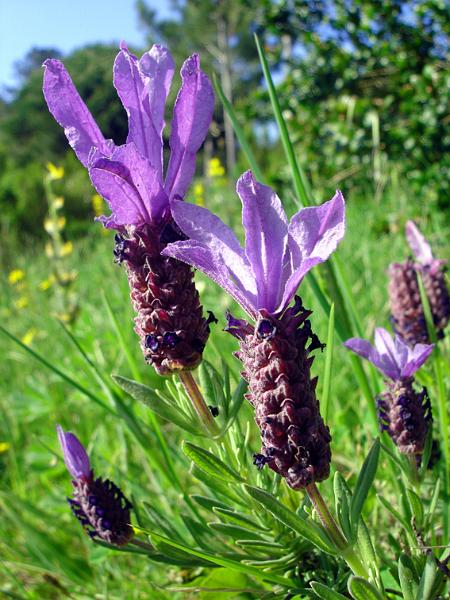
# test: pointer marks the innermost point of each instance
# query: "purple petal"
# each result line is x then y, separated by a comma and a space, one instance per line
418, 244
366, 350
387, 351
143, 87
202, 226
201, 257
69, 110
314, 233
417, 356
131, 186
192, 116
266, 236
75, 456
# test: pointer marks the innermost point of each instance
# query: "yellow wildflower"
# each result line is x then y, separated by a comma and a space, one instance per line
47, 283
199, 191
21, 302
52, 226
29, 336
58, 202
4, 446
49, 250
67, 249
54, 172
215, 168
15, 276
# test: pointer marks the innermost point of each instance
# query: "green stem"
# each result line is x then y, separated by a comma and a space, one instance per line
346, 551
198, 402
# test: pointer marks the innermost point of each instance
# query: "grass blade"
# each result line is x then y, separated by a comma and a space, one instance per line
325, 401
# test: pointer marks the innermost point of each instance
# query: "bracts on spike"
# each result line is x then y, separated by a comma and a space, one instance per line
276, 357
169, 318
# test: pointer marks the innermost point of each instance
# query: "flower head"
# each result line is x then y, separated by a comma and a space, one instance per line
130, 177
392, 357
98, 504
277, 254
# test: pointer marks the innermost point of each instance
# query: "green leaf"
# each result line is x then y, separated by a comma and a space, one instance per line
433, 504
306, 528
154, 401
209, 463
209, 503
325, 593
239, 519
342, 499
427, 579
361, 589
416, 507
225, 562
364, 482
325, 400
234, 531
218, 486
406, 577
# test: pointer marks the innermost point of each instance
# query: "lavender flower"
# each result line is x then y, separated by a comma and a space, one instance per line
263, 278
404, 413
98, 504
433, 276
169, 318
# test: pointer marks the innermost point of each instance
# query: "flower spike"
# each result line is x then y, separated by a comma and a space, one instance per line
98, 504
169, 321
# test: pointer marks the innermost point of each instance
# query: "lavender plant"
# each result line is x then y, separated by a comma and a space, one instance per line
213, 509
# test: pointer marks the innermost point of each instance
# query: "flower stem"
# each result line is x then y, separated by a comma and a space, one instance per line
346, 551
198, 402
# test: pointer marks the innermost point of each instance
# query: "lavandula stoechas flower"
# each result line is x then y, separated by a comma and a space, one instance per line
403, 412
169, 320
406, 306
275, 349
98, 503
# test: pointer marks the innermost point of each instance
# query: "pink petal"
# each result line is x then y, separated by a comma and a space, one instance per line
418, 244
69, 110
192, 116
266, 236
143, 87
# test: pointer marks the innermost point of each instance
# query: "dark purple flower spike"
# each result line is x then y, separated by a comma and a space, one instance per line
99, 505
406, 306
131, 179
404, 413
263, 278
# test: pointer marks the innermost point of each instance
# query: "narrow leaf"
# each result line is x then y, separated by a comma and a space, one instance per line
325, 593
361, 589
365, 480
209, 463
427, 579
406, 577
325, 401
306, 528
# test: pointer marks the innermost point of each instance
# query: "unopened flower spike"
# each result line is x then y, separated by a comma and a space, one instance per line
275, 349
408, 317
169, 321
403, 412
98, 504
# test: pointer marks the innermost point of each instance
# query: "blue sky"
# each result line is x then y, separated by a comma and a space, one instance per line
65, 24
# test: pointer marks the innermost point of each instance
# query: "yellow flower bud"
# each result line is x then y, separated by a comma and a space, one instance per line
29, 336
4, 446
58, 202
67, 249
49, 250
21, 302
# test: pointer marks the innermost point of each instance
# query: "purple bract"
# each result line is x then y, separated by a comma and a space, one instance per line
75, 456
277, 254
130, 177
391, 356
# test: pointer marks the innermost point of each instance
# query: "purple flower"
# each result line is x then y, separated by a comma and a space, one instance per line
75, 456
277, 254
130, 177
418, 244
391, 356
98, 504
